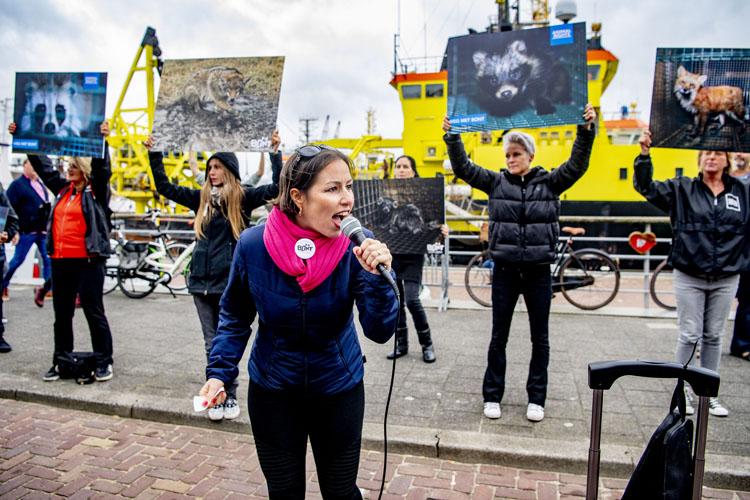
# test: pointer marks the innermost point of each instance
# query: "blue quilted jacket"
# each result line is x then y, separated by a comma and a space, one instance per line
304, 340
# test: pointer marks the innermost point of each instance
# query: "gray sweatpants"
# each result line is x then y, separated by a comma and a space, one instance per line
702, 311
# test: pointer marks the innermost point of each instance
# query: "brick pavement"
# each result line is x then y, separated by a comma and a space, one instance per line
50, 452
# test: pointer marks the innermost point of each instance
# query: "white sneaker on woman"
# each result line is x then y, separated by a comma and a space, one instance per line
492, 410
716, 409
535, 412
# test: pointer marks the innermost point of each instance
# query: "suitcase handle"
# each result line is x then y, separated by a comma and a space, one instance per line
603, 374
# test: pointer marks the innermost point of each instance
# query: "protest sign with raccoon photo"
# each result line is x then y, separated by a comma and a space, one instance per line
517, 79
228, 104
405, 214
60, 113
701, 99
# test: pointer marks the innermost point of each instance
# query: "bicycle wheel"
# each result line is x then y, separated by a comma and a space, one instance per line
137, 283
178, 282
478, 278
661, 287
589, 279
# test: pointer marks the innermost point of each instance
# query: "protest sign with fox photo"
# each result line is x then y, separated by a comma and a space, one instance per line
60, 113
701, 99
517, 79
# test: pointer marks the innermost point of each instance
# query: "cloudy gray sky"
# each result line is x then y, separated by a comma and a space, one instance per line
339, 53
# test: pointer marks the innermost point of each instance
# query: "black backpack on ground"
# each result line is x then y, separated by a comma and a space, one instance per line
77, 365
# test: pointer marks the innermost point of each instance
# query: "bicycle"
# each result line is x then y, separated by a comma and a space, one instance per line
588, 278
162, 261
661, 288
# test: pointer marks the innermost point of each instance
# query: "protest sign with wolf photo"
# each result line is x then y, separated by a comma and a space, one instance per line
701, 99
228, 104
517, 79
405, 214
60, 113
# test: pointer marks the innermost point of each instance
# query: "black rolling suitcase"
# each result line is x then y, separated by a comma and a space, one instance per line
671, 467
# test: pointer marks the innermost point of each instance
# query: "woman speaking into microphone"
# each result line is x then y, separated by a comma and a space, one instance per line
301, 276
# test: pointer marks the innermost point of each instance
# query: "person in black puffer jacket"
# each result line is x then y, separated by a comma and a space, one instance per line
524, 210
222, 211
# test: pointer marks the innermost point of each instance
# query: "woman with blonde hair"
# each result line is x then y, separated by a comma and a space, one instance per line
222, 211
710, 248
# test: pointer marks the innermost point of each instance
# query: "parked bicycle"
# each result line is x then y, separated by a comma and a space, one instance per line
588, 278
661, 287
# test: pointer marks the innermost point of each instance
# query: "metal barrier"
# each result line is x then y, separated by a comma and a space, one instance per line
438, 273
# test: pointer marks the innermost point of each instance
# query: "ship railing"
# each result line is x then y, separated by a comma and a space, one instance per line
444, 278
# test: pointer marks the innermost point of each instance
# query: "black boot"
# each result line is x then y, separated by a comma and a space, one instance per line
4, 346
402, 344
428, 352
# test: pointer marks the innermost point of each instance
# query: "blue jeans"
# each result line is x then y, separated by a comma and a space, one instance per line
25, 242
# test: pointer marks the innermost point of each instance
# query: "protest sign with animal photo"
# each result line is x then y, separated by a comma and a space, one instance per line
60, 113
701, 99
517, 79
406, 214
226, 104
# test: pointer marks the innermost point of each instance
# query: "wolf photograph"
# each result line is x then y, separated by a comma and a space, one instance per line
517, 79
60, 113
228, 104
405, 214
701, 99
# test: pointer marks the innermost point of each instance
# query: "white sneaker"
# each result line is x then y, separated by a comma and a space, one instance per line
231, 409
492, 410
535, 413
716, 409
689, 402
216, 412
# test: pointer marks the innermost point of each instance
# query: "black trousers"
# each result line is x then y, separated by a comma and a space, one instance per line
535, 284
208, 309
2, 265
741, 337
282, 421
84, 277
409, 291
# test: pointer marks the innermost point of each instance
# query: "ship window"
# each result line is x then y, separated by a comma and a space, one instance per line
411, 91
431, 151
433, 90
593, 71
623, 174
678, 171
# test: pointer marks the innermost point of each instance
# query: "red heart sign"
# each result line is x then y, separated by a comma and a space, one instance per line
642, 242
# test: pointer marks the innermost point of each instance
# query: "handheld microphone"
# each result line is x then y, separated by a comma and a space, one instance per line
351, 227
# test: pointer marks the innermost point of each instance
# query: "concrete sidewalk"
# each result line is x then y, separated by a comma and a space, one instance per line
436, 410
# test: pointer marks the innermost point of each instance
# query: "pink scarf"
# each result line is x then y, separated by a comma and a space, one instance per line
280, 236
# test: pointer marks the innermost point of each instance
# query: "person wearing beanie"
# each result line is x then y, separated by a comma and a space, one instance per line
222, 209
78, 246
524, 204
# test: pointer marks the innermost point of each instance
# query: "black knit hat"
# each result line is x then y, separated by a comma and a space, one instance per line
230, 162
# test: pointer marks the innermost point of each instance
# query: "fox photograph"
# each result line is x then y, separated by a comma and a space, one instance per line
228, 104
60, 113
405, 214
517, 79
701, 99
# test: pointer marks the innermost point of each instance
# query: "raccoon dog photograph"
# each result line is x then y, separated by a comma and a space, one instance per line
517, 79
405, 214
227, 104
701, 99
60, 113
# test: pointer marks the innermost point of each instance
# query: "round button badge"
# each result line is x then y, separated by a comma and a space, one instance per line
304, 248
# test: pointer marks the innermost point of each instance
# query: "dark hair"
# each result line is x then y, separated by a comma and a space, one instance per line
412, 163
299, 172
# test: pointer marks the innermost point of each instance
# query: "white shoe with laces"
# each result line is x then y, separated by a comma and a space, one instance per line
716, 409
216, 412
689, 402
492, 410
535, 412
231, 409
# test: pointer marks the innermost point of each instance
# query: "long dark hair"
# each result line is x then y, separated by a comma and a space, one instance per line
412, 163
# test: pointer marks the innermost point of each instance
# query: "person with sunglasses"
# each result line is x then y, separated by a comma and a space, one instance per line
78, 245
222, 211
302, 276
524, 203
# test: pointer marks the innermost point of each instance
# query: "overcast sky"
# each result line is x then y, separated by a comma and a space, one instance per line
339, 53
